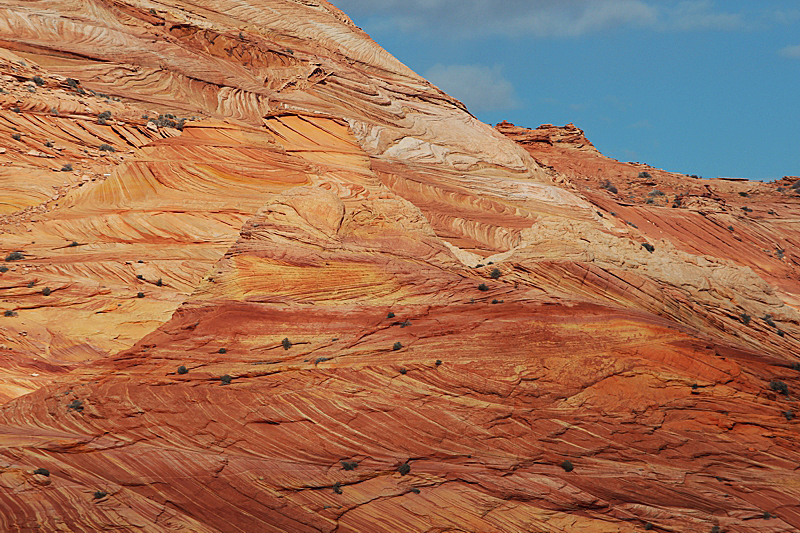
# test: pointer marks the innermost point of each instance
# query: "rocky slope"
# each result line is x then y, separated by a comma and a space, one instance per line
260, 276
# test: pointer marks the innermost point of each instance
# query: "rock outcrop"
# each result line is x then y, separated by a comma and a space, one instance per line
260, 276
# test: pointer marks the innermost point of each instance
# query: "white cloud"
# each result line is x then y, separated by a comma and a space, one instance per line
542, 18
791, 51
481, 88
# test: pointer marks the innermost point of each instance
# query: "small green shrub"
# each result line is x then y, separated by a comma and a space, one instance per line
67, 168
438, 362
9, 313
38, 80
745, 318
483, 287
46, 291
744, 194
390, 315
730, 228
223, 350
648, 526
337, 488
495, 274
15, 256
788, 415
16, 109
769, 320
140, 295
779, 387
286, 343
226, 379
182, 370
397, 346
139, 276
649, 247
644, 175
747, 209
75, 405
100, 494
607, 185
107, 148
349, 465
31, 284
403, 371
567, 466
42, 472
159, 283
73, 83
16, 136
656, 192
3, 269
405, 323
73, 244
404, 468
322, 360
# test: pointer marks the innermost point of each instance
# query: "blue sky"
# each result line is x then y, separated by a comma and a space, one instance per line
692, 86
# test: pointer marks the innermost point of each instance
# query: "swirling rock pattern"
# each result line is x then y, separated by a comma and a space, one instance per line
293, 287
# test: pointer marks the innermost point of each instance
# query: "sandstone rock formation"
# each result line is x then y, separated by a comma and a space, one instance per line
260, 276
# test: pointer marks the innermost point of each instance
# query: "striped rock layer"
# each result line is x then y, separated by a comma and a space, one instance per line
261, 277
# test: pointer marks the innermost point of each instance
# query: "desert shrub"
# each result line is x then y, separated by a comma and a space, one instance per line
746, 209
404, 468
397, 346
38, 80
349, 465
48, 144
779, 387
796, 366
140, 276
319, 360
337, 488
771, 212
483, 287
286, 343
607, 185
744, 194
745, 318
46, 291
415, 490
223, 350
780, 253
480, 265
495, 273
107, 148
768, 319
75, 405
730, 228
15, 256
140, 294
9, 313
105, 115
42, 472
159, 283
403, 371
405, 323
567, 466
716, 529
495, 302
780, 333
649, 247
16, 109
100, 494
31, 284
649, 201
73, 83
644, 175
3, 269
53, 111
390, 315
67, 168
656, 192
182, 370
789, 415
438, 362
16, 136
226, 379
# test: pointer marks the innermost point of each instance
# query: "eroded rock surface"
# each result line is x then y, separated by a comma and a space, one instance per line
292, 286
